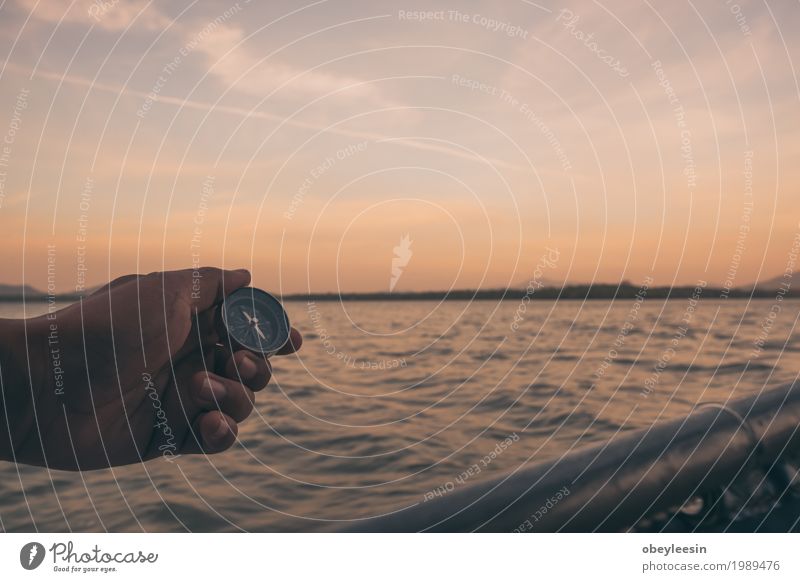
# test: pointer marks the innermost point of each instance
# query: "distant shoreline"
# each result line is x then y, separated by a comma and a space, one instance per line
570, 292
573, 292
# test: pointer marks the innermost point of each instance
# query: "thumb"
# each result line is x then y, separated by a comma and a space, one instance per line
206, 288
209, 286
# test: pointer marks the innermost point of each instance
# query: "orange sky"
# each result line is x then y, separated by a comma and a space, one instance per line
304, 142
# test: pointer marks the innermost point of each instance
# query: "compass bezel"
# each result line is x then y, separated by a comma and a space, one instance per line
253, 294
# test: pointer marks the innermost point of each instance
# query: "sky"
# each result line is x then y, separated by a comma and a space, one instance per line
369, 146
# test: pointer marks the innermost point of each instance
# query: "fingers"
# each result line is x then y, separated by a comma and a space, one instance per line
248, 368
212, 432
294, 343
210, 391
227, 401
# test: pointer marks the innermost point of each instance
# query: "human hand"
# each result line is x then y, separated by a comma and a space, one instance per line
130, 373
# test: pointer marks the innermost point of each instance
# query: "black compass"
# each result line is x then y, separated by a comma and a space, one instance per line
255, 320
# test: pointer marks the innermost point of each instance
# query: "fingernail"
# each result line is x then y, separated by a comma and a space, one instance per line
221, 430
248, 368
213, 391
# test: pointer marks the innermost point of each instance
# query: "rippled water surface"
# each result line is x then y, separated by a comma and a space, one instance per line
388, 401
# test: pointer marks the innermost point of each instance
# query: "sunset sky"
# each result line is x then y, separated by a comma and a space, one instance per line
305, 140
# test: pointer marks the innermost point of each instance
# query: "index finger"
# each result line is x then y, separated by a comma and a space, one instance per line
294, 343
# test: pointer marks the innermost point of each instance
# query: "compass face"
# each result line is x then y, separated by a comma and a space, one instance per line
255, 320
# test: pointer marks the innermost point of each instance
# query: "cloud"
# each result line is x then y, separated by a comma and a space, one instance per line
105, 14
229, 59
235, 66
417, 144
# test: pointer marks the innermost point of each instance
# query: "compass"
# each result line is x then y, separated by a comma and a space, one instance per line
255, 320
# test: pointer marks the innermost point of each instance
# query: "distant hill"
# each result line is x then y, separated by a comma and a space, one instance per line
15, 291
11, 293
774, 283
544, 281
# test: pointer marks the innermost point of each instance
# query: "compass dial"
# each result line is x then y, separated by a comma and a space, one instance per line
255, 320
